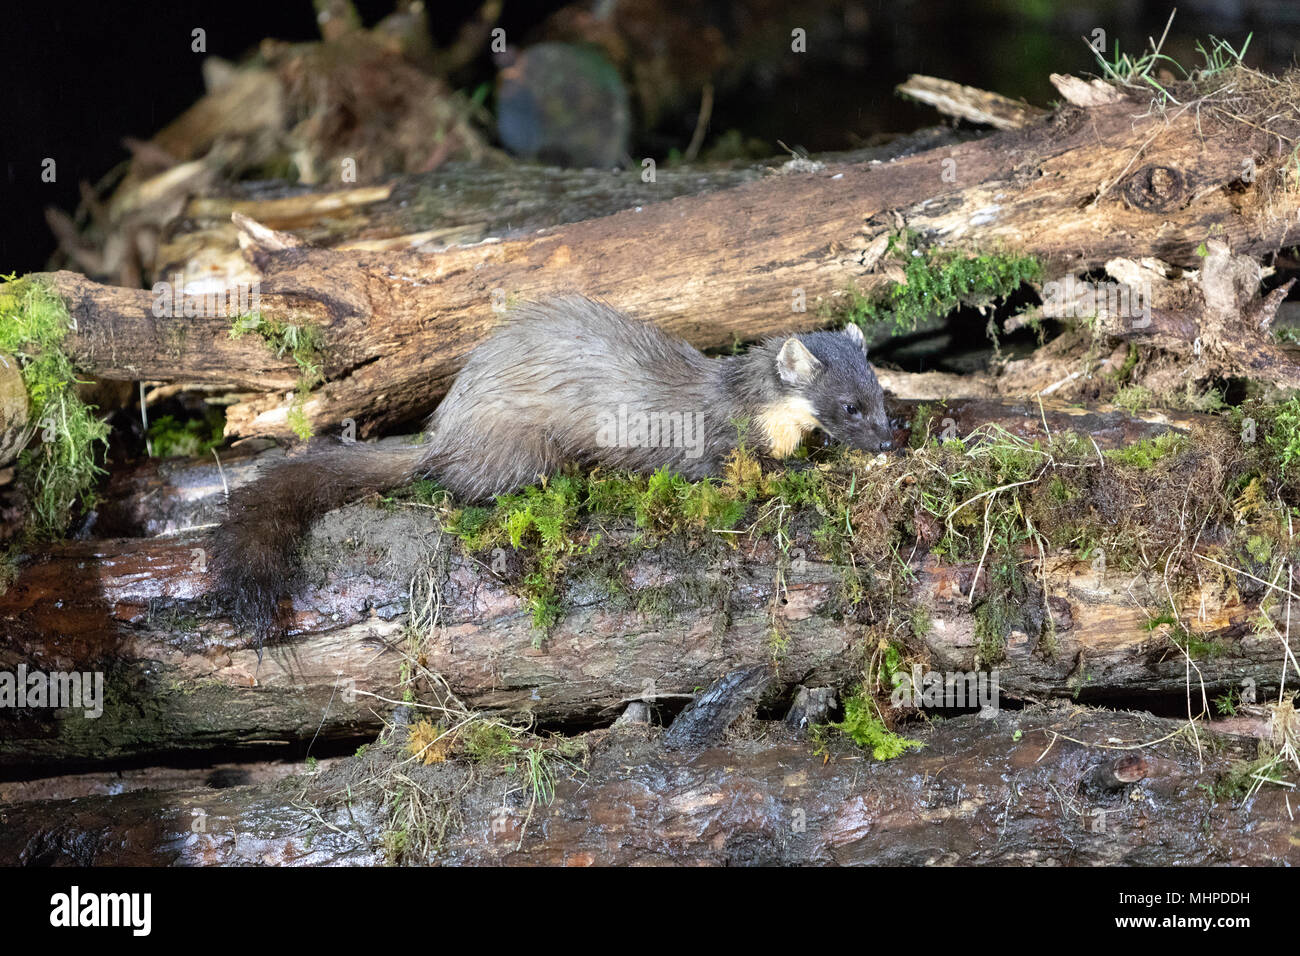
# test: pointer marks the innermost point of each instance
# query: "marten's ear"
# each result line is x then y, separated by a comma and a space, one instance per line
795, 364
854, 332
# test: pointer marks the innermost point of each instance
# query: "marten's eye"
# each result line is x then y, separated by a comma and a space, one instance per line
851, 410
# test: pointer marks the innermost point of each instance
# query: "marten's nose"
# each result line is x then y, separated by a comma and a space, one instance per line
886, 445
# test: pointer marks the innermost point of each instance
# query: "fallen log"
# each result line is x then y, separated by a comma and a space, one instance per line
458, 205
158, 777
1044, 786
640, 620
1080, 188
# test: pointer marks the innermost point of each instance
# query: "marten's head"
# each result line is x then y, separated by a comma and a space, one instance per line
827, 383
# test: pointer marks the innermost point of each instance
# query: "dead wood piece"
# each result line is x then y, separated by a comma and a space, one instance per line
178, 679
969, 103
707, 717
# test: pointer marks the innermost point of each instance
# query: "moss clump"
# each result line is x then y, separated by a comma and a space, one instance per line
1000, 612
1196, 647
169, 438
542, 516
1282, 439
430, 742
485, 742
938, 281
61, 472
1145, 453
1134, 398
304, 343
863, 725
542, 520
665, 502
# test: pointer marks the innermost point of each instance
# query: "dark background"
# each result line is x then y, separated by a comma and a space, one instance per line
77, 77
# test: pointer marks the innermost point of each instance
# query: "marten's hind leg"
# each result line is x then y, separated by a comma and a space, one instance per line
493, 468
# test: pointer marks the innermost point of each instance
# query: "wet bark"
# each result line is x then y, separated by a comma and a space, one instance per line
1043, 786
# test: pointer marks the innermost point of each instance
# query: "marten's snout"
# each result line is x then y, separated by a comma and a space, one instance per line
876, 441
867, 432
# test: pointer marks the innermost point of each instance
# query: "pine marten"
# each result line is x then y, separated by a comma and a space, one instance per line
568, 381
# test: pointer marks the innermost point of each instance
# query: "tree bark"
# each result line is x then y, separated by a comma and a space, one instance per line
1044, 786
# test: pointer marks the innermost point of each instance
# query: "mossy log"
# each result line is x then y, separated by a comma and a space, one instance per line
1044, 786
639, 619
180, 680
161, 497
1077, 189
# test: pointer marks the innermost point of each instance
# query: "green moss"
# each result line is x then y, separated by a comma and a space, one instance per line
304, 343
862, 724
1001, 611
1282, 438
395, 842
920, 427
1134, 398
1146, 452
890, 657
1196, 647
1246, 776
1259, 548
920, 622
541, 521
778, 643
937, 282
542, 517
1059, 490
193, 437
61, 471
669, 502
486, 742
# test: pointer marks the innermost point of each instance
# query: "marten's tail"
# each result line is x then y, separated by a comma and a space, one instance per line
255, 551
